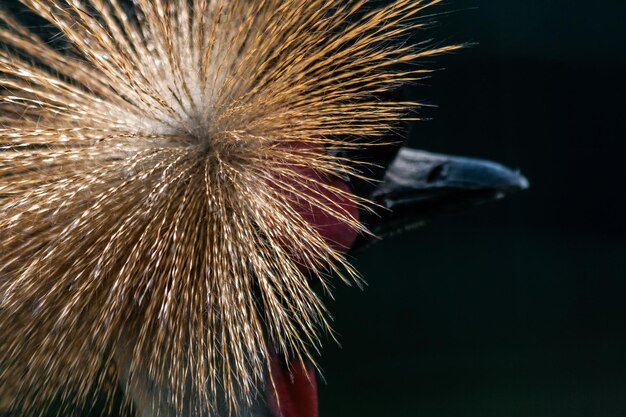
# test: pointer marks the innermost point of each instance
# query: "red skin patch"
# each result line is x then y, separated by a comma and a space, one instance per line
337, 233
292, 390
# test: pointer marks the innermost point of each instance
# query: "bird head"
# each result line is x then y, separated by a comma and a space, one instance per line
177, 179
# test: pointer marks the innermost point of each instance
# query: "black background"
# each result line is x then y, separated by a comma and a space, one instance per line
516, 308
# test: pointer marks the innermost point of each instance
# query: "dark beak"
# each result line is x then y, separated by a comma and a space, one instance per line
420, 185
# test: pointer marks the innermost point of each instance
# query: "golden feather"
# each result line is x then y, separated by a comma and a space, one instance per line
153, 169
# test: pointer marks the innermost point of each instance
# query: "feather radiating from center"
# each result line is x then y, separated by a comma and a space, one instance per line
151, 183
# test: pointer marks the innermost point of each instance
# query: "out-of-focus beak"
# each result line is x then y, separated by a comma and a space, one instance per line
419, 185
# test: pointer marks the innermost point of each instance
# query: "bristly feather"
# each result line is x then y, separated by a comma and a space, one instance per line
151, 175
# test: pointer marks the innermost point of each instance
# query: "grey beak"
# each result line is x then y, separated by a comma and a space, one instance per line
420, 185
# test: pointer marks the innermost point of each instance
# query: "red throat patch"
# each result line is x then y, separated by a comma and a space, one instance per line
327, 189
292, 390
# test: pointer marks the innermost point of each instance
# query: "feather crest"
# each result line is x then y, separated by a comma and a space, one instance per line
151, 175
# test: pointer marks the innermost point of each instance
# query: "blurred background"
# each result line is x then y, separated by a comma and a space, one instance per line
515, 308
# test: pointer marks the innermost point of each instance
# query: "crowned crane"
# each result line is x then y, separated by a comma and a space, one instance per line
177, 183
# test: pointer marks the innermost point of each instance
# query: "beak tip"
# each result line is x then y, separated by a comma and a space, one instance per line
518, 182
523, 183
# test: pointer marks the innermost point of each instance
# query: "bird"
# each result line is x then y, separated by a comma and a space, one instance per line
180, 179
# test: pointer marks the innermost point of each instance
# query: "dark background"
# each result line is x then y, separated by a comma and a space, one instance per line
516, 308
